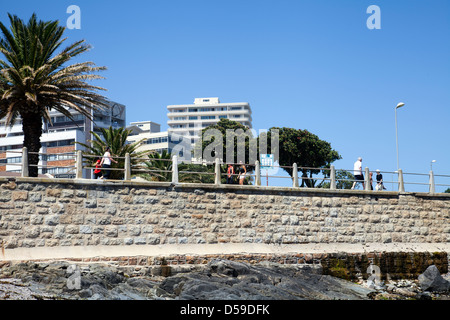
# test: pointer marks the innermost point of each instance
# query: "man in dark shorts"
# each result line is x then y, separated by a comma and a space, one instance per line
357, 172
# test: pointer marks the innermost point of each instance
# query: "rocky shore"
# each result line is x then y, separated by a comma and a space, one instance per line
217, 280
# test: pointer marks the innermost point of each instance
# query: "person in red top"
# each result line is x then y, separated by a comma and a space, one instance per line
230, 172
97, 171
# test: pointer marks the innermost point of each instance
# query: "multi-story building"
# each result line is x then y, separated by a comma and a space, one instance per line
153, 139
58, 140
188, 120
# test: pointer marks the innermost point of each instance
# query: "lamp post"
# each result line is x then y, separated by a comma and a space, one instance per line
431, 164
401, 104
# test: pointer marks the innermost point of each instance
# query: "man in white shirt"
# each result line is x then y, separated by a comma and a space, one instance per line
357, 172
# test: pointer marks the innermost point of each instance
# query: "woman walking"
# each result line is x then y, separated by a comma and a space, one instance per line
106, 163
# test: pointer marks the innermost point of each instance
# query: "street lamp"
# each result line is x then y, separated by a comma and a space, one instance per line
431, 164
401, 104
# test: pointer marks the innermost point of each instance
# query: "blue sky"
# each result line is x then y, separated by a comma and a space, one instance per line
303, 64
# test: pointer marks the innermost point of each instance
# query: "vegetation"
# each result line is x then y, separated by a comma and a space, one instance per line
116, 139
158, 168
344, 180
306, 150
197, 173
35, 80
244, 143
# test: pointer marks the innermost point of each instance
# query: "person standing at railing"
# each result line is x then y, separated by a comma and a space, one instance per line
242, 172
230, 173
106, 163
379, 178
97, 170
357, 172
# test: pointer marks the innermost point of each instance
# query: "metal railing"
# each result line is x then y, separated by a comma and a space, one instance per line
329, 180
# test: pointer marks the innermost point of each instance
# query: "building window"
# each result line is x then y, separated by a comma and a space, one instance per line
179, 118
193, 118
222, 117
208, 117
156, 140
14, 160
205, 100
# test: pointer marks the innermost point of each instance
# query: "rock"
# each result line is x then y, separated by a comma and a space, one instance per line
406, 292
431, 280
220, 279
423, 296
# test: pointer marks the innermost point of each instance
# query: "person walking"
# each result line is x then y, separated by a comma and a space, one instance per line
230, 173
357, 172
106, 163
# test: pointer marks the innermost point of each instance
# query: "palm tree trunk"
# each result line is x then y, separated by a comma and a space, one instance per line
32, 129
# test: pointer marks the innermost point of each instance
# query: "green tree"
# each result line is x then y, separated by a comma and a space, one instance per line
447, 190
243, 140
34, 80
244, 145
344, 180
306, 150
159, 167
196, 173
116, 139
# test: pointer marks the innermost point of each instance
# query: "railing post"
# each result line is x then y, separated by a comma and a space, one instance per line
332, 178
432, 187
295, 176
367, 179
24, 162
257, 173
127, 167
79, 165
174, 169
217, 172
401, 184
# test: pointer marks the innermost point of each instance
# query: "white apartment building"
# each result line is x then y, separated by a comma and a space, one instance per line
153, 139
150, 133
58, 140
188, 120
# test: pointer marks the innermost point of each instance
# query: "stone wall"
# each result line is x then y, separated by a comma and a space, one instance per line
49, 218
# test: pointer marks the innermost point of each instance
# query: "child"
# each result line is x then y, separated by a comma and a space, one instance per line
97, 171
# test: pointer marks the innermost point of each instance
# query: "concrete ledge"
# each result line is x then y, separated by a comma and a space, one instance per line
83, 252
231, 187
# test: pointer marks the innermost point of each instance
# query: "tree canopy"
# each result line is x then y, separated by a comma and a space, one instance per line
116, 139
239, 137
34, 79
304, 148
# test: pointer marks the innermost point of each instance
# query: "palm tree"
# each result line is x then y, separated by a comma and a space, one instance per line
116, 139
159, 167
34, 80
196, 173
